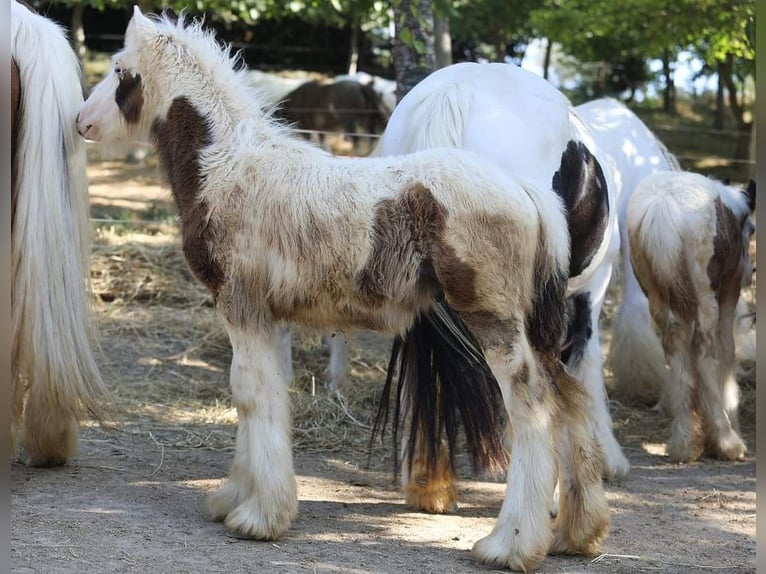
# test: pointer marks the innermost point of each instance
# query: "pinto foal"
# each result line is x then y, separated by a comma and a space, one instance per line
689, 241
280, 231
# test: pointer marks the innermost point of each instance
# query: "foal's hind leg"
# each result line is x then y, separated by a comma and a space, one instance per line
583, 517
712, 364
685, 442
259, 500
522, 535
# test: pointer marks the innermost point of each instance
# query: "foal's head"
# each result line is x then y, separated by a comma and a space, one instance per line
164, 57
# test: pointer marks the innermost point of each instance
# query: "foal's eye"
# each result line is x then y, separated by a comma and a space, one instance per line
119, 70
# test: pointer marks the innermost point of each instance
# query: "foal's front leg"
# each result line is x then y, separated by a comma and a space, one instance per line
259, 500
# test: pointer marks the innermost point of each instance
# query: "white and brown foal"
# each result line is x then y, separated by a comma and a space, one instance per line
689, 241
281, 232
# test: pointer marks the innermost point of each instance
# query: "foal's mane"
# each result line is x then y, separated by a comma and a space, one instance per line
219, 61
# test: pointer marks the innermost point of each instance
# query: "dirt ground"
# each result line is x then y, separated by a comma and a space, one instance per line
133, 500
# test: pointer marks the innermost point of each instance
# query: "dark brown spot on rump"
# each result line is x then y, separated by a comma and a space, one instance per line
409, 240
726, 263
129, 97
179, 138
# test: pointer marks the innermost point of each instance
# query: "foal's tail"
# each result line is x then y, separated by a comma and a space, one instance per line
51, 347
442, 373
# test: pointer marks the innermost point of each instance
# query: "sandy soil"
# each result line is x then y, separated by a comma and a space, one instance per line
133, 500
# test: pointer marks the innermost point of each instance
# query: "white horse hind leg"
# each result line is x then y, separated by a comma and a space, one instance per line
589, 369
259, 500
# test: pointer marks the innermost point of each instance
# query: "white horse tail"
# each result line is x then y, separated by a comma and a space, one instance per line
51, 353
440, 117
654, 221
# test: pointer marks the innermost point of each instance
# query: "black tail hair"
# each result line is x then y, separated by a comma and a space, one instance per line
442, 372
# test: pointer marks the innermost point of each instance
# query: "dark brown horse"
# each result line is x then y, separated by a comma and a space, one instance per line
52, 361
345, 106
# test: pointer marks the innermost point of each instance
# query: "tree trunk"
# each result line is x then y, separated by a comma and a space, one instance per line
669, 96
720, 104
353, 44
413, 52
78, 31
751, 166
442, 41
547, 60
745, 128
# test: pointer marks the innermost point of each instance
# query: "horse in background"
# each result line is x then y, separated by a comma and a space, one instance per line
385, 88
346, 106
689, 246
273, 86
280, 231
52, 363
633, 152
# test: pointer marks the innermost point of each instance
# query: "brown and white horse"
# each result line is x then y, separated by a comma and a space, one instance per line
52, 362
689, 245
282, 232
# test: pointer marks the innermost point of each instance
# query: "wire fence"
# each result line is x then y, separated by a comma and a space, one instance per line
375, 136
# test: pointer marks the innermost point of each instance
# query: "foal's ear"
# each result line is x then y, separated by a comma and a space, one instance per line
139, 25
170, 14
749, 192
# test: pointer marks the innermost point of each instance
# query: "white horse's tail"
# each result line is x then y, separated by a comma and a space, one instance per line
51, 332
440, 118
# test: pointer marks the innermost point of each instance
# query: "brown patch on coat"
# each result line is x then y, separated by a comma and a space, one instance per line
726, 263
546, 323
409, 248
129, 97
179, 138
15, 99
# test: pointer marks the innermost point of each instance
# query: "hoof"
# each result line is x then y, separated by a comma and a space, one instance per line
495, 550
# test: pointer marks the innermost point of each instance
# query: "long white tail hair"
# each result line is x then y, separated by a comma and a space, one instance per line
51, 357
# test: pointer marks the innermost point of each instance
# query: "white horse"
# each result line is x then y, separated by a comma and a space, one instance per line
689, 239
281, 231
52, 362
523, 124
632, 152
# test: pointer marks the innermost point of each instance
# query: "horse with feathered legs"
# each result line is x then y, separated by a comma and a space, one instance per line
526, 126
689, 238
55, 380
280, 231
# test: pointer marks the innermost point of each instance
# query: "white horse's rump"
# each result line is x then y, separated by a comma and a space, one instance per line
280, 231
50, 241
689, 239
523, 124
